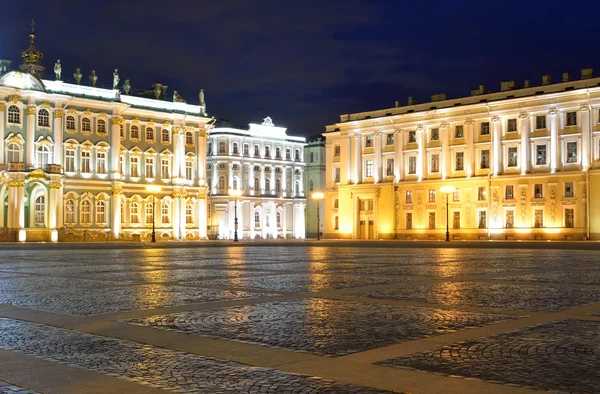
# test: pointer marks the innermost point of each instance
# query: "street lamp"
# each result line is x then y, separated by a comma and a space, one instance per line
318, 196
235, 193
447, 190
153, 189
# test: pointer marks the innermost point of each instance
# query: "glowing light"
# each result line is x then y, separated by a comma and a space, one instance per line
22, 235
153, 189
79, 90
19, 80
318, 196
235, 193
54, 236
447, 189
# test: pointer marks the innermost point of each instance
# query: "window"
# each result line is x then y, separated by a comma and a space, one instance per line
278, 219
278, 153
14, 114
121, 132
256, 219
70, 123
288, 154
221, 183
459, 131
571, 119
134, 166
85, 212
189, 214
134, 213
460, 161
189, 169
484, 128
44, 118
482, 219
512, 156
409, 196
389, 139
189, 139
336, 176
481, 193
100, 211
538, 190
456, 195
101, 126
412, 165
70, 160
165, 168
312, 157
366, 205
369, 141
278, 186
69, 211
509, 192
569, 218
337, 223
267, 151
43, 156
149, 134
540, 155
149, 212
135, 133
336, 151
336, 203
165, 136
435, 134
256, 184
511, 125
431, 220
409, 221
369, 168
268, 186
297, 155
431, 195
122, 209
456, 220
389, 167
234, 148
165, 213
122, 163
85, 161
539, 218
485, 159
149, 167
568, 189
510, 218
39, 212
86, 125
540, 122
572, 152
246, 150
412, 137
435, 162
256, 150
101, 162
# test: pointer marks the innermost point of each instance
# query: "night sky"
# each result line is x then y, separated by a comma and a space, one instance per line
304, 63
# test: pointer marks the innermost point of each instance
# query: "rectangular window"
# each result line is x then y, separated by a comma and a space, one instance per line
165, 166
337, 223
435, 134
456, 220
369, 141
389, 167
336, 151
568, 189
409, 221
389, 139
572, 152
512, 156
539, 218
431, 195
189, 170
538, 190
369, 168
134, 169
336, 203
85, 161
336, 175
481, 193
509, 192
409, 199
431, 220
435, 163
482, 219
165, 215
571, 119
149, 167
312, 157
366, 205
101, 162
540, 155
412, 137
511, 125
246, 150
456, 195
459, 131
412, 165
569, 218
485, 159
459, 165
149, 213
540, 122
70, 160
510, 218
485, 128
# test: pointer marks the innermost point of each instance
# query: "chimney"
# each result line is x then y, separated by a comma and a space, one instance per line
527, 83
397, 104
507, 85
587, 73
439, 97
546, 79
566, 77
411, 100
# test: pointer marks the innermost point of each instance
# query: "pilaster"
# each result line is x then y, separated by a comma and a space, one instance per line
524, 128
58, 137
30, 142
586, 157
553, 112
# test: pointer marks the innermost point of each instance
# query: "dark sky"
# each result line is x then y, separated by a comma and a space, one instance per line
306, 62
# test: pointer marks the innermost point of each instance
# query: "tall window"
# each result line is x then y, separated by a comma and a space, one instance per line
572, 152
267, 186
278, 219
435, 134
336, 203
134, 166
86, 125
336, 151
43, 153
39, 213
389, 167
278, 153
288, 154
189, 138
389, 139
512, 156
540, 122
510, 218
149, 167
256, 151
509, 192
336, 175
369, 168
409, 224
13, 151
569, 218
134, 213
571, 119
149, 213
412, 137
189, 214
481, 193
14, 114
538, 190
539, 218
409, 197
70, 160
511, 125
221, 183
100, 211
256, 184
412, 165
485, 159
101, 162
165, 213
456, 220
435, 162
165, 168
70, 211
312, 157
337, 223
482, 219
484, 128
70, 123
431, 195
121, 132
165, 136
431, 220
460, 161
222, 147
149, 134
297, 155
540, 155
256, 219
44, 118
568, 189
456, 195
86, 161
369, 141
459, 131
246, 150
278, 186
101, 126
267, 151
85, 212
135, 133
189, 169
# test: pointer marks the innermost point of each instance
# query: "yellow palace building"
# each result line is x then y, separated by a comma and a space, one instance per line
520, 163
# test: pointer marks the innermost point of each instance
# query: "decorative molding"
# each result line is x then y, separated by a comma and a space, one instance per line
58, 113
167, 124
469, 122
16, 184
584, 108
494, 118
116, 120
54, 185
31, 110
14, 99
523, 115
552, 111
2, 107
444, 125
88, 112
102, 115
72, 111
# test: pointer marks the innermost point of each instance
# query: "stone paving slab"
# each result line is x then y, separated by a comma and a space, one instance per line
166, 369
8, 388
320, 326
542, 298
586, 277
120, 299
560, 356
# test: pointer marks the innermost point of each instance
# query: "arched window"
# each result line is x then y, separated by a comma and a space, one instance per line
39, 212
189, 214
70, 123
256, 184
43, 156
101, 162
134, 212
135, 133
149, 134
267, 186
267, 151
14, 114
43, 118
13, 153
85, 212
256, 150
165, 136
222, 147
165, 213
149, 213
70, 211
189, 138
101, 126
256, 219
86, 125
278, 216
100, 211
278, 153
235, 148
277, 186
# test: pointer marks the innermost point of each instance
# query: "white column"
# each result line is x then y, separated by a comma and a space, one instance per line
174, 215
182, 158
470, 159
251, 220
201, 214
284, 214
53, 198
115, 148
445, 136
30, 142
115, 212
58, 137
524, 128
357, 159
214, 178
398, 158
553, 140
229, 175
586, 156
262, 180
497, 145
251, 179
182, 221
60, 212
300, 183
349, 170
177, 153
421, 153
20, 205
2, 120
273, 180
377, 161
201, 157
284, 182
263, 222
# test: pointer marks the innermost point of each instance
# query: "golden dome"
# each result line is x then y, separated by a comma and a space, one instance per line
31, 55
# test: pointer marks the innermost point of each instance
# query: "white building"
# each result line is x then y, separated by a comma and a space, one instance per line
314, 181
266, 165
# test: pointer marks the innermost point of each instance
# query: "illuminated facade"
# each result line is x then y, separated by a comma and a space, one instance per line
77, 160
266, 165
314, 181
523, 163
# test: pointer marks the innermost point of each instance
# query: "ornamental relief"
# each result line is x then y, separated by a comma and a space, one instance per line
523, 202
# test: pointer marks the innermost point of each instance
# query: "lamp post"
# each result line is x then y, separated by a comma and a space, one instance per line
318, 196
447, 190
235, 193
153, 189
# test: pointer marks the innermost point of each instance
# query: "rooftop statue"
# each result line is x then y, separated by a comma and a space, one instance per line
93, 78
126, 86
57, 69
78, 75
202, 103
177, 98
116, 79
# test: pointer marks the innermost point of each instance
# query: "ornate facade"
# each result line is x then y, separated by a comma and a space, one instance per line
314, 181
265, 165
520, 164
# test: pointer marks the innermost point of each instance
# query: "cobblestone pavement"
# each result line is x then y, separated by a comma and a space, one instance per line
559, 356
8, 388
320, 326
119, 299
587, 277
29, 284
507, 296
175, 275
166, 369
